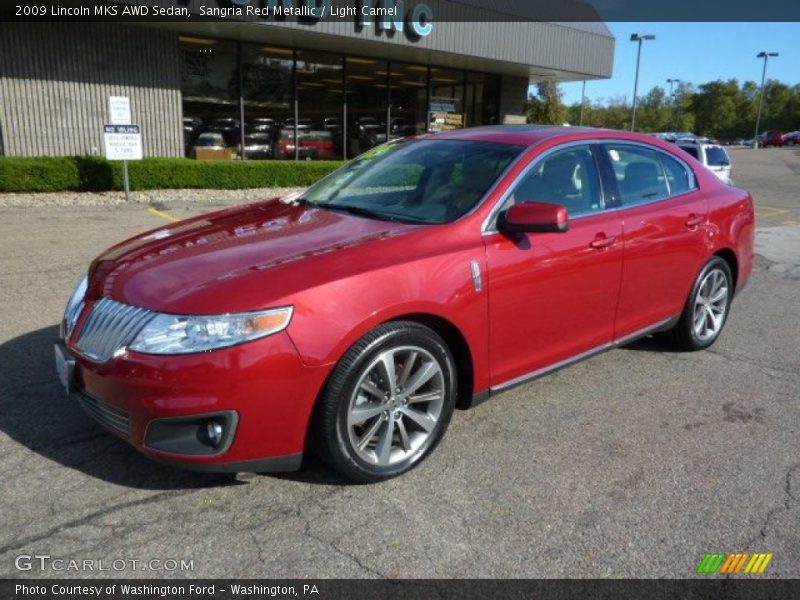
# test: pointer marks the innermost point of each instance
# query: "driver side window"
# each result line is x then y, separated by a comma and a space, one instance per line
568, 177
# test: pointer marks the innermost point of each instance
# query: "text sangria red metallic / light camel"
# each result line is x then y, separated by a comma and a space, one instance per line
426, 274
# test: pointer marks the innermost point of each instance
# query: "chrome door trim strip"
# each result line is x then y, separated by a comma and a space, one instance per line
545, 370
660, 325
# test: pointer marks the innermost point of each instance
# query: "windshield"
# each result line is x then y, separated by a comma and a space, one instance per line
423, 181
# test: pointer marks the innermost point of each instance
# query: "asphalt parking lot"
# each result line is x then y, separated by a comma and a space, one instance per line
631, 464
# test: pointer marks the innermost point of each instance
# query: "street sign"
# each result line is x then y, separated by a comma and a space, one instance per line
119, 108
123, 142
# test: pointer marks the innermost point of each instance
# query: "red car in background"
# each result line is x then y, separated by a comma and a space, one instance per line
311, 144
427, 273
773, 137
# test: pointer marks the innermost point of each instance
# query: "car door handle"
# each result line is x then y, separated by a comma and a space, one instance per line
694, 220
601, 241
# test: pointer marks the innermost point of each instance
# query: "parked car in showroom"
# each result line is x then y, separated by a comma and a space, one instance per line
210, 145
311, 144
713, 156
258, 146
428, 273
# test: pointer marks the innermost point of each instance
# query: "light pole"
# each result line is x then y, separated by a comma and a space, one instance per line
583, 101
636, 37
765, 55
672, 98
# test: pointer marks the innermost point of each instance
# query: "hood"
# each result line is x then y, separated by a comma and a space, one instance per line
236, 260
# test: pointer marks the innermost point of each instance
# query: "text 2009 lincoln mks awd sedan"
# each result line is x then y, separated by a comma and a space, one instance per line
428, 273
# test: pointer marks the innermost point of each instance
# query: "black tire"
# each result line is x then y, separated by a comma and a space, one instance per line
684, 334
333, 435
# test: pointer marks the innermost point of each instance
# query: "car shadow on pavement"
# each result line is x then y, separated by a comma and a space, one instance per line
36, 412
650, 343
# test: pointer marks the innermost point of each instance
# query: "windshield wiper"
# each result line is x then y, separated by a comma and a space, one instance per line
356, 210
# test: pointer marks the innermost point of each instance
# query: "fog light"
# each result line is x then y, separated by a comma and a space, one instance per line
198, 435
214, 433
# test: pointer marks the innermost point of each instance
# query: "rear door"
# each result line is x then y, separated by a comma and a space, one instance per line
664, 221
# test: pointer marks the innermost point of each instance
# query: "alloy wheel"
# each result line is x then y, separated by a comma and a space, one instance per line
396, 405
710, 305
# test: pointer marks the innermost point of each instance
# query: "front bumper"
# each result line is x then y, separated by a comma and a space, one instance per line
262, 388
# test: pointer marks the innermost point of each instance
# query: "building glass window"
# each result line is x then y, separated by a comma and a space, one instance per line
210, 88
320, 93
268, 97
483, 93
408, 99
446, 109
367, 87
344, 105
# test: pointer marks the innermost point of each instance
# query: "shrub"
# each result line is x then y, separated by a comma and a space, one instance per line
39, 174
80, 173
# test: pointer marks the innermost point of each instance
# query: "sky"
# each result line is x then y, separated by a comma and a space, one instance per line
695, 52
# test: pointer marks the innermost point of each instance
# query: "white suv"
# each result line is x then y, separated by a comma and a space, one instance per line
712, 156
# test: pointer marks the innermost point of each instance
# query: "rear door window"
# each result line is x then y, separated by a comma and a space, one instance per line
680, 179
639, 173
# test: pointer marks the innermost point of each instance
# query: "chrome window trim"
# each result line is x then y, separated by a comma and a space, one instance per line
488, 226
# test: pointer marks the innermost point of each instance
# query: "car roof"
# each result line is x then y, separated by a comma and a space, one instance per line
529, 135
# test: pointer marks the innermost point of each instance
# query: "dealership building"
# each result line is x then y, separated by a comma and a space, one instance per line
236, 79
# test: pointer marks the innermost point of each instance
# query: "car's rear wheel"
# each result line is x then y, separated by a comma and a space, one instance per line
388, 402
707, 307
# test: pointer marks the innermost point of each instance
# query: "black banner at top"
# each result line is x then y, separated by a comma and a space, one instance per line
418, 11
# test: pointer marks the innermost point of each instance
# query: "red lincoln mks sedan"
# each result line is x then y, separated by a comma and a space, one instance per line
426, 274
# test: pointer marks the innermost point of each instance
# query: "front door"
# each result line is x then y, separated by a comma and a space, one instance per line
553, 296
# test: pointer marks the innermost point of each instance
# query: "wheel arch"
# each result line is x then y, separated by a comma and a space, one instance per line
458, 345
729, 256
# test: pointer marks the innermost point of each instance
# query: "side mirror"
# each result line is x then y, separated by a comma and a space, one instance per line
530, 217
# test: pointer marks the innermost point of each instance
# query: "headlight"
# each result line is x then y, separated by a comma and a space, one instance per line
176, 334
74, 308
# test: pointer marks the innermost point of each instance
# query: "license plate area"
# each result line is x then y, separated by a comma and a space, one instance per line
65, 367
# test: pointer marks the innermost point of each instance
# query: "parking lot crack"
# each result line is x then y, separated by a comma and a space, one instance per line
789, 503
336, 548
90, 518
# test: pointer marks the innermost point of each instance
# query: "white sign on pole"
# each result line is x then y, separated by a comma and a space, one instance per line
123, 142
119, 108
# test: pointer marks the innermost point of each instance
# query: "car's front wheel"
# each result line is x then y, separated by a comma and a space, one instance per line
387, 403
707, 307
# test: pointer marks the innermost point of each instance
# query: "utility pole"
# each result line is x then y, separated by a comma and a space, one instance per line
765, 55
635, 37
672, 99
583, 101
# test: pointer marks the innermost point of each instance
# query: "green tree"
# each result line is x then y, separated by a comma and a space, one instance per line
546, 106
715, 108
654, 112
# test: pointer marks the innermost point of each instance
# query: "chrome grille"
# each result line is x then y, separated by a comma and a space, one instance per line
110, 416
110, 326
